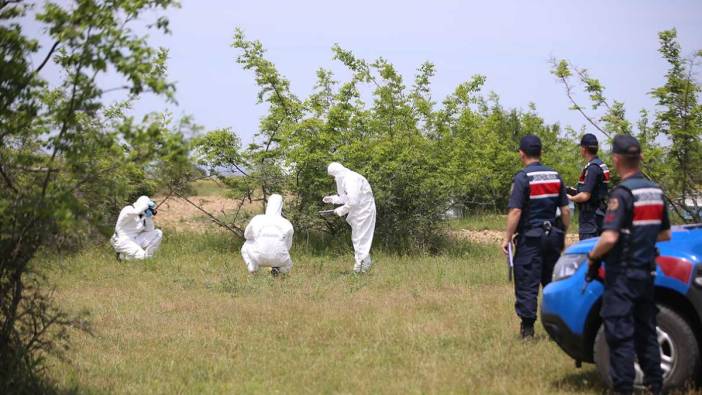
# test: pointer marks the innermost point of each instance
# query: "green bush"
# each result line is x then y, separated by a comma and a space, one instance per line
419, 157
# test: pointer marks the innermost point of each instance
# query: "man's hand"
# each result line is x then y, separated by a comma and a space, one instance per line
565, 218
664, 235
327, 199
581, 197
513, 217
505, 247
593, 268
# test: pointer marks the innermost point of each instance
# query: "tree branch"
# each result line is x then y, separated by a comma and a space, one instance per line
644, 166
124, 88
237, 231
115, 89
583, 78
69, 113
7, 179
569, 93
48, 56
8, 2
71, 107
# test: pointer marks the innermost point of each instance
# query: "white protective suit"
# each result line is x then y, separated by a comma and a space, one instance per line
269, 237
135, 236
355, 196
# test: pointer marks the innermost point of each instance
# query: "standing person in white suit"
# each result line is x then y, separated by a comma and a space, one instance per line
269, 237
355, 196
135, 235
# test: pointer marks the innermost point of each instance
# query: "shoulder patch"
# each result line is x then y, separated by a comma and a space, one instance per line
613, 204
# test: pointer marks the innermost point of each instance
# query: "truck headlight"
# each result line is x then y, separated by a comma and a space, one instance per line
567, 265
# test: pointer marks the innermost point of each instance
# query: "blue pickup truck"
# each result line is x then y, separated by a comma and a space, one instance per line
570, 310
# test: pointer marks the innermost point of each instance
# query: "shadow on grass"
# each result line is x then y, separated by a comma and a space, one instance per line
327, 245
20, 384
581, 381
323, 244
218, 242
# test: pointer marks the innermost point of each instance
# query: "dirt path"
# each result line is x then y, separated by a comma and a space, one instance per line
176, 213
493, 236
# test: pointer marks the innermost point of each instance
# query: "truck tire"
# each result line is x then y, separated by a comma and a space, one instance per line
680, 353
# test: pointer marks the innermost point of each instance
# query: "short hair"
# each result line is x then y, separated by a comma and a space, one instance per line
532, 154
630, 161
591, 149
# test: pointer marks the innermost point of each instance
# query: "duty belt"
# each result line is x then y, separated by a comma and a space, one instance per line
547, 225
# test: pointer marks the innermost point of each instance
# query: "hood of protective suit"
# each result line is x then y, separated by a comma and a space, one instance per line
335, 169
275, 205
142, 203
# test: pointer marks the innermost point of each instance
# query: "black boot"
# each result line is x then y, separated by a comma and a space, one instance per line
654, 389
119, 258
527, 330
275, 271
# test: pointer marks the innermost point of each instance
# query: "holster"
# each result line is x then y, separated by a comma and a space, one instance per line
552, 237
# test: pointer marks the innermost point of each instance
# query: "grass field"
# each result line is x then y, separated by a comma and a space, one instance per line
479, 222
208, 187
193, 321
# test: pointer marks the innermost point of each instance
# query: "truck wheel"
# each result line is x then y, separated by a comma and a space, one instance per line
680, 354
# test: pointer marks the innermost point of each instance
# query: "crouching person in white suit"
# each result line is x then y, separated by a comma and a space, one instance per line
268, 240
135, 235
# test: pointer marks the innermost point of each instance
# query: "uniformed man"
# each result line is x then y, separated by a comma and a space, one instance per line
636, 219
591, 194
537, 193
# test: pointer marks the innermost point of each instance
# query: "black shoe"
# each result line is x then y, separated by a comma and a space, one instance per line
654, 390
527, 330
275, 271
119, 258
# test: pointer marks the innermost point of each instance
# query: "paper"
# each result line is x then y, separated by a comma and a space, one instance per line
510, 254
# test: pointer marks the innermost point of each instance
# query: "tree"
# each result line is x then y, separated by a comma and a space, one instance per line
676, 166
419, 157
680, 119
63, 154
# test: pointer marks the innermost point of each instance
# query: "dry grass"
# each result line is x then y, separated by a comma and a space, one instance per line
493, 236
489, 229
193, 321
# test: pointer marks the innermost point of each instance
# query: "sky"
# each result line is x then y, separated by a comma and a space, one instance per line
510, 42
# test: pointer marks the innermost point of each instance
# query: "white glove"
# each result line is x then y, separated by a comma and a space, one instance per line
333, 199
341, 211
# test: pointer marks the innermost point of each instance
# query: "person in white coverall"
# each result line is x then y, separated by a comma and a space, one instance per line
269, 237
355, 196
135, 235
